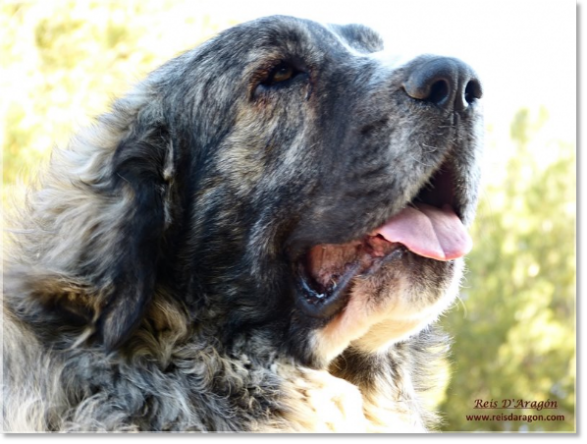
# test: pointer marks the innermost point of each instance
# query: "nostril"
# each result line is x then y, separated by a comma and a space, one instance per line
443, 81
439, 92
473, 91
435, 89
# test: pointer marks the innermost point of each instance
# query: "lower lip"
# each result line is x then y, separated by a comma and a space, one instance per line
327, 304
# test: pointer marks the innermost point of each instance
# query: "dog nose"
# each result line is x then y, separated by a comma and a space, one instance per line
444, 81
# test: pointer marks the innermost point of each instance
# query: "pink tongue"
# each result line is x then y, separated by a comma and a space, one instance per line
428, 231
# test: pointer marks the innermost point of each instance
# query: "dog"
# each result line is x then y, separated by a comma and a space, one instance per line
258, 237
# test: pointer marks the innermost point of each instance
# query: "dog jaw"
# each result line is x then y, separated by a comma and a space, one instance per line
374, 320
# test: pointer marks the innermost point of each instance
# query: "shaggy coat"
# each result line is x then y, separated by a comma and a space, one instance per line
204, 257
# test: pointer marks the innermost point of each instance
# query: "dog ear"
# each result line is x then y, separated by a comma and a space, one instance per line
142, 172
92, 235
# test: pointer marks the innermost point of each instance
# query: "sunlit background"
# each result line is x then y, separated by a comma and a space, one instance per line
514, 326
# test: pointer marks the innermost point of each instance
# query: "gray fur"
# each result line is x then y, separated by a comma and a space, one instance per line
149, 285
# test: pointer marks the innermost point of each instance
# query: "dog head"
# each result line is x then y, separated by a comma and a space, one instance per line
285, 181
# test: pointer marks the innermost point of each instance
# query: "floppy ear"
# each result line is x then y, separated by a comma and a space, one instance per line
142, 171
91, 235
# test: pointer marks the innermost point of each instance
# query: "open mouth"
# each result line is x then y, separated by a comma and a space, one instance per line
428, 227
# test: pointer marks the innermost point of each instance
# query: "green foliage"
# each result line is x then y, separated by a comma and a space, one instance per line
514, 333
52, 38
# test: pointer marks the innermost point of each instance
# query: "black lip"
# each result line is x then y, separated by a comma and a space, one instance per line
329, 303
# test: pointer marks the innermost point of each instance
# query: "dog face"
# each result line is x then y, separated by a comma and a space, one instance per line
300, 153
285, 186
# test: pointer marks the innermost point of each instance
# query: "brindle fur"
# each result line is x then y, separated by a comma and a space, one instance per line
149, 283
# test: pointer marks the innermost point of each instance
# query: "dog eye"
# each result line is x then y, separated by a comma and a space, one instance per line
281, 73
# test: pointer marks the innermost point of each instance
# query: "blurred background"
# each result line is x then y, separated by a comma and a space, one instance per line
62, 62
